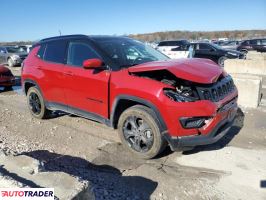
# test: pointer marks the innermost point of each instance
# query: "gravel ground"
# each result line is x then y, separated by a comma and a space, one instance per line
92, 152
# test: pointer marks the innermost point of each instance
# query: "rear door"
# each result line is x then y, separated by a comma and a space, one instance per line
51, 67
85, 89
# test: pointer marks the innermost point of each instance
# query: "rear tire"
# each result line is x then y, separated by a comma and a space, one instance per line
139, 132
36, 104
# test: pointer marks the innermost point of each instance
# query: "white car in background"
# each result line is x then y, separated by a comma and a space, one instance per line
176, 49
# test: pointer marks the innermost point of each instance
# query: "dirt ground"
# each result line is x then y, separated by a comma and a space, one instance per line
233, 168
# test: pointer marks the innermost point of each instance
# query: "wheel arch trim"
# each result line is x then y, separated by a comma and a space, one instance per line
162, 124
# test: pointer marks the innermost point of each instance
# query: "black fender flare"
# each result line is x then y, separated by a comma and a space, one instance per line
139, 100
32, 82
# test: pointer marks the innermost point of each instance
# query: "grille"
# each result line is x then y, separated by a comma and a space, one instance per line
217, 91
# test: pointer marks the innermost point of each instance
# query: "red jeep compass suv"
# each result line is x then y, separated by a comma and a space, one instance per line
152, 100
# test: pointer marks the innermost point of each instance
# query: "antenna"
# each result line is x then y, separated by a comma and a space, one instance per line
59, 32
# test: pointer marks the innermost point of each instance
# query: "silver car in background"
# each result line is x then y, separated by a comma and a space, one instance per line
12, 55
230, 45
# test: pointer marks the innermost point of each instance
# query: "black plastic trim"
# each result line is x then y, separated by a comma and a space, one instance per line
32, 82
78, 112
147, 103
196, 140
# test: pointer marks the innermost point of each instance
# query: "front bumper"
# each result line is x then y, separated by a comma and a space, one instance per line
215, 134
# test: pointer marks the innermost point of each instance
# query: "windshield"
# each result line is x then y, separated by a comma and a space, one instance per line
12, 50
127, 52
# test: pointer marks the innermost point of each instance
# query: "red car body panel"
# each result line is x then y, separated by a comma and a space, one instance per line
97, 93
6, 77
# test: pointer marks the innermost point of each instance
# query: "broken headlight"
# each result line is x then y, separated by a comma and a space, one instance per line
175, 96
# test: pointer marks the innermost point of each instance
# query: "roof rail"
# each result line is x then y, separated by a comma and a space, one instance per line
62, 37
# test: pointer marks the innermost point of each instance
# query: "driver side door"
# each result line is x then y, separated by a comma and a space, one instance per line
85, 89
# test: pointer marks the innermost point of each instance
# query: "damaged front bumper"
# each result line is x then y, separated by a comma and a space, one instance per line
215, 134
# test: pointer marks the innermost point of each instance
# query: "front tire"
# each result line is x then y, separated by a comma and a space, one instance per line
139, 132
36, 104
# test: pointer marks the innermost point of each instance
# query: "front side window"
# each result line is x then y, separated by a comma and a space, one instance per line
204, 47
78, 52
55, 51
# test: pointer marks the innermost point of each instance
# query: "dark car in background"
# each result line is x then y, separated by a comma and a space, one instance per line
254, 44
215, 52
12, 55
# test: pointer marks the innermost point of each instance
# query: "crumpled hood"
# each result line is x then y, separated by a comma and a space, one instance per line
196, 70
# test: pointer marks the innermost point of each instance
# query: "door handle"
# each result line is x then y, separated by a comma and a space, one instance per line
68, 73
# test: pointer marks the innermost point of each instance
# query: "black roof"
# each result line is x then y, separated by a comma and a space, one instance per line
80, 36
63, 37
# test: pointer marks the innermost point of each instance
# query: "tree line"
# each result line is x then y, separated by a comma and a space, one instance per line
189, 35
199, 35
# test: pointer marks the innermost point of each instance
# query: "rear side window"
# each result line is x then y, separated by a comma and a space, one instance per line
41, 51
78, 52
55, 51
174, 43
161, 44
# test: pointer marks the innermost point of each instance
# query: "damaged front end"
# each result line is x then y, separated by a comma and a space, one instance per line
178, 90
181, 90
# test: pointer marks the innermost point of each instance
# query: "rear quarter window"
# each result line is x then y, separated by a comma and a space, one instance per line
41, 51
55, 51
